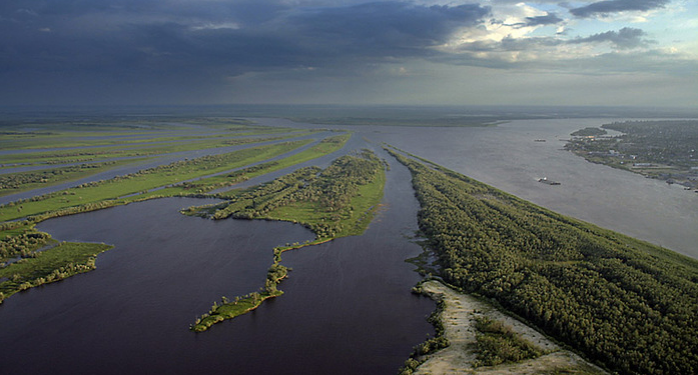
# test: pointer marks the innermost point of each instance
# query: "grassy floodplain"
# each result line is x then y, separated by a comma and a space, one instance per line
628, 305
101, 133
12, 183
144, 180
86, 161
148, 148
324, 147
336, 202
62, 260
30, 258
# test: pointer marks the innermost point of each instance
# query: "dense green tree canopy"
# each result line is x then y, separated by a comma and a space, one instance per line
626, 304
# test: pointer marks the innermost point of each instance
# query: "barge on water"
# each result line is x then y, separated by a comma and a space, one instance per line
549, 182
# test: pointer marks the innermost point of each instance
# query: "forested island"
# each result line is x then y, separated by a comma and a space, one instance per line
589, 132
626, 304
664, 150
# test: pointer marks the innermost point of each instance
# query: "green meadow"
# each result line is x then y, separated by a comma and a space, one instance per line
32, 258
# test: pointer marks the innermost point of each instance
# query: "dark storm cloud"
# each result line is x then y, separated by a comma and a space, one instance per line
548, 19
615, 6
157, 37
379, 30
625, 38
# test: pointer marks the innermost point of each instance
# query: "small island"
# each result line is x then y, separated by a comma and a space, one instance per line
589, 132
545, 180
335, 202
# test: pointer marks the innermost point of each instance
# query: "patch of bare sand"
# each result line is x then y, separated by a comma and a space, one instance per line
458, 320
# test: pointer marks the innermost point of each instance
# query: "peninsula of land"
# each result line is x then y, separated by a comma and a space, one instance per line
665, 150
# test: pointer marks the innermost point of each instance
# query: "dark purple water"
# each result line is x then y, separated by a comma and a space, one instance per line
347, 308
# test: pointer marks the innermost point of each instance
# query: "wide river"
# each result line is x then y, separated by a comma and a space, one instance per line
347, 307
509, 158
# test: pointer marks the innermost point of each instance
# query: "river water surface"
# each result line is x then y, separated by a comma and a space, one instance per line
508, 157
347, 307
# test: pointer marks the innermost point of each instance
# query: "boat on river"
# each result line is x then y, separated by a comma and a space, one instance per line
548, 182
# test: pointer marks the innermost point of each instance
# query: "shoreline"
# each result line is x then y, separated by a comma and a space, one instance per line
458, 358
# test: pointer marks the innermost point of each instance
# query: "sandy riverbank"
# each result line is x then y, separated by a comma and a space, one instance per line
458, 318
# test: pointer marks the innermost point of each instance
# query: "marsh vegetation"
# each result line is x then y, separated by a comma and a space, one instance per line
335, 202
25, 266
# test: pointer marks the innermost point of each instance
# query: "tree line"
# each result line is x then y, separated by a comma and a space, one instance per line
329, 192
628, 305
24, 244
12, 181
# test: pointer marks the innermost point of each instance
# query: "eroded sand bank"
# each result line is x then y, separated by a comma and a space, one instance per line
458, 318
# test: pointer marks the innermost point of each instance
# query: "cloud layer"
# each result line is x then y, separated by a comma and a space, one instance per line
607, 7
182, 49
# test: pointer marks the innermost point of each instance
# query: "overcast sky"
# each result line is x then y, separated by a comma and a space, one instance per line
608, 52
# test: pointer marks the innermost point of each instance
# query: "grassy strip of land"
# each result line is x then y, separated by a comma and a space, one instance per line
13, 183
241, 305
97, 193
230, 310
339, 201
204, 185
146, 147
64, 260
626, 304
69, 139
